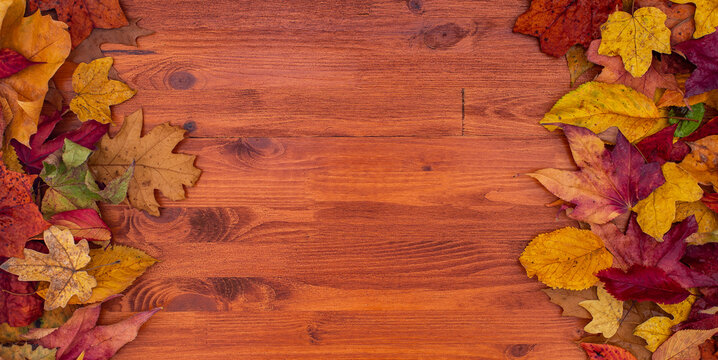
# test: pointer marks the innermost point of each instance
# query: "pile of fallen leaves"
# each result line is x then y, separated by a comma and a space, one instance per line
58, 162
642, 264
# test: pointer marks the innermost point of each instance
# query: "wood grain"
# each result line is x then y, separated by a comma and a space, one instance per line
362, 194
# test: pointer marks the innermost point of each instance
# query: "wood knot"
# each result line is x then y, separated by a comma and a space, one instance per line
262, 147
190, 126
415, 6
519, 350
181, 80
313, 333
444, 36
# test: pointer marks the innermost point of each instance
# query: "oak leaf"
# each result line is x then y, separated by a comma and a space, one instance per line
702, 53
680, 18
599, 106
702, 162
26, 352
635, 37
84, 224
61, 268
683, 345
96, 92
606, 352
706, 16
156, 166
566, 258
657, 211
12, 62
606, 313
608, 183
642, 283
657, 329
19, 216
84, 15
560, 24
569, 300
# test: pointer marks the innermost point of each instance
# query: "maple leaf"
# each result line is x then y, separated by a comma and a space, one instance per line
84, 224
72, 186
569, 300
680, 18
702, 162
683, 345
657, 211
61, 268
660, 146
560, 24
81, 335
84, 15
634, 37
26, 352
42, 41
606, 313
156, 166
18, 310
607, 184
96, 92
657, 329
114, 269
599, 106
12, 62
706, 17
615, 73
40, 147
642, 283
566, 258
606, 352
19, 216
702, 53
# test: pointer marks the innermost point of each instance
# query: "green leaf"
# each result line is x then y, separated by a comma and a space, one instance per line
73, 154
686, 127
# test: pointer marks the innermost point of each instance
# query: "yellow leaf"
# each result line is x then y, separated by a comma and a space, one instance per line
26, 352
40, 39
156, 166
706, 16
657, 211
706, 218
599, 106
657, 329
114, 269
567, 258
81, 356
702, 162
61, 268
683, 345
634, 37
606, 312
96, 92
577, 62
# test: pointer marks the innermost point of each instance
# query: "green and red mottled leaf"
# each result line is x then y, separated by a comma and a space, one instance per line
12, 62
606, 352
642, 283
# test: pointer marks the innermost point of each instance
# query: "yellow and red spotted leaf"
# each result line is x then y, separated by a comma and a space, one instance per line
606, 352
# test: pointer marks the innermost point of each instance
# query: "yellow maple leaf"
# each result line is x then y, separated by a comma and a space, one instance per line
657, 211
702, 162
634, 37
606, 313
706, 16
96, 92
599, 106
657, 329
114, 269
566, 258
61, 268
156, 166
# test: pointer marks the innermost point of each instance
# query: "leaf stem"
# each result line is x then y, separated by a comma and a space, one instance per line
19, 294
103, 265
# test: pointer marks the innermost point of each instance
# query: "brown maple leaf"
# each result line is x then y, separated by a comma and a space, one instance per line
83, 15
560, 24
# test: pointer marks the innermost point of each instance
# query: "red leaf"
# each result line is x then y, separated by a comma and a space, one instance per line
83, 15
707, 129
20, 218
18, 310
87, 135
84, 224
560, 24
642, 283
711, 201
698, 320
701, 52
660, 147
12, 62
606, 352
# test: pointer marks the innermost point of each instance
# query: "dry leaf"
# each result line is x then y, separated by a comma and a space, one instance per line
683, 345
569, 301
702, 162
606, 313
26, 352
680, 18
657, 329
706, 16
84, 15
577, 62
96, 92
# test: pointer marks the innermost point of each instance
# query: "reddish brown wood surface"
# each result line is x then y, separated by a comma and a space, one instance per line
361, 195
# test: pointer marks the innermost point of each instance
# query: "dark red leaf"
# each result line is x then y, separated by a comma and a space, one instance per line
642, 283
711, 201
703, 53
660, 148
707, 129
12, 62
18, 310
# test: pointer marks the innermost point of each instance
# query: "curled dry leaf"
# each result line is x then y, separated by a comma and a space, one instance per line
577, 62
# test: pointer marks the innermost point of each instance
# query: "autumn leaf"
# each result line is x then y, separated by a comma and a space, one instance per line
706, 17
19, 216
678, 98
569, 300
599, 106
606, 313
606, 352
680, 18
18, 310
657, 329
615, 73
84, 15
702, 162
560, 24
80, 335
49, 319
114, 269
566, 258
96, 92
657, 211
711, 201
635, 37
26, 352
61, 268
608, 183
577, 62
40, 147
707, 220
642, 283
660, 147
12, 62
686, 127
683, 345
156, 166
702, 53
84, 224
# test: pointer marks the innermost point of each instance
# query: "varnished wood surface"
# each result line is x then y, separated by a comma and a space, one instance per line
361, 195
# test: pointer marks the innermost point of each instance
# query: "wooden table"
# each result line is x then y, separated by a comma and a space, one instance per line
361, 195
